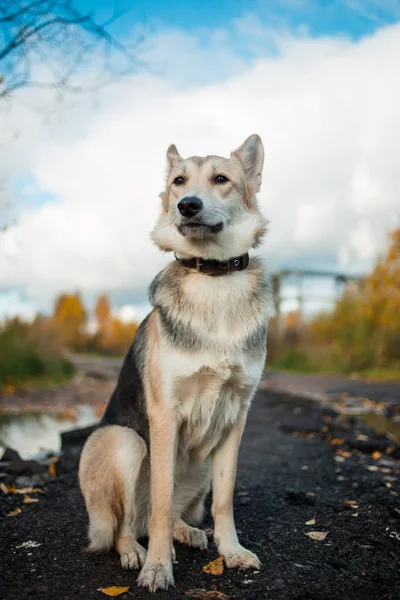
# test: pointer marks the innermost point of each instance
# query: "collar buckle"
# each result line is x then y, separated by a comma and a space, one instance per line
199, 265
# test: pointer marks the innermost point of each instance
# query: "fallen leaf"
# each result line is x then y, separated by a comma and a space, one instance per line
113, 590
388, 484
355, 515
351, 503
53, 470
318, 536
3, 488
337, 441
29, 490
203, 594
215, 567
372, 468
339, 458
29, 500
390, 449
311, 521
376, 455
344, 453
14, 512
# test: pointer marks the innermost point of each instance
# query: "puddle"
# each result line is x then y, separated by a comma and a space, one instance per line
30, 433
382, 424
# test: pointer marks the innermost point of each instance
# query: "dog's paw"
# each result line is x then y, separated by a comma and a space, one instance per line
190, 536
134, 557
240, 558
156, 576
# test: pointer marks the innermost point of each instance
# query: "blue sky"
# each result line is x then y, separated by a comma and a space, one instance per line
351, 18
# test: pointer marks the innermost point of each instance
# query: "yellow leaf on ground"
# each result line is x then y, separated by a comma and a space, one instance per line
27, 490
3, 488
113, 590
344, 453
311, 521
215, 567
29, 500
52, 468
204, 595
352, 503
337, 441
390, 449
14, 512
376, 455
355, 515
318, 536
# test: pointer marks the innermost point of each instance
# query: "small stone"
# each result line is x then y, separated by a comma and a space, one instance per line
23, 482
10, 455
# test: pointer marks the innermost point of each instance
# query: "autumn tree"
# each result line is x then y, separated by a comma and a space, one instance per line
364, 329
70, 318
103, 313
120, 336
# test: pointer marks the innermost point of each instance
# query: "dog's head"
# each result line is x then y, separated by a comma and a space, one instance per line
209, 207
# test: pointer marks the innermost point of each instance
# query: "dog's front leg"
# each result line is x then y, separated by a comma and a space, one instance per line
223, 483
157, 569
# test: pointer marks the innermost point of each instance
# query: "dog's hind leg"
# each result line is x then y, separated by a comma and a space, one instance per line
109, 469
190, 491
195, 512
133, 523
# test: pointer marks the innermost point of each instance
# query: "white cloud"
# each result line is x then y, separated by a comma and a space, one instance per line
327, 110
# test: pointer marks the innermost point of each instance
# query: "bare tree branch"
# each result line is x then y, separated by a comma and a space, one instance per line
51, 36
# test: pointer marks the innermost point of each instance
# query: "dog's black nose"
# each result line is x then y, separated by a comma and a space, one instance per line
190, 206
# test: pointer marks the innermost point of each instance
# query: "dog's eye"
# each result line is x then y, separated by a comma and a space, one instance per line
179, 181
220, 179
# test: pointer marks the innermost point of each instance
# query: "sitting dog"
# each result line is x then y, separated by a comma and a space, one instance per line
174, 423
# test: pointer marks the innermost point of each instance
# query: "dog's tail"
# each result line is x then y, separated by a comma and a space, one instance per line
102, 529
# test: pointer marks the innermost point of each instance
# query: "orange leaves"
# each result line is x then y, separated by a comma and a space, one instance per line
113, 335
215, 567
113, 591
70, 319
52, 467
29, 500
365, 323
15, 512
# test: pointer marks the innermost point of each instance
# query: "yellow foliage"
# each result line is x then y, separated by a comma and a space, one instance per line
70, 318
365, 325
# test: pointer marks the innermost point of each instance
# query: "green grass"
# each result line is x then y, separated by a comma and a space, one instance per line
297, 360
25, 358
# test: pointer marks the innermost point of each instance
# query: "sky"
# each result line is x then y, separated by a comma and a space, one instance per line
319, 81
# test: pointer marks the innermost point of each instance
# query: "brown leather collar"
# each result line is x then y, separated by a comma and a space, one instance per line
210, 266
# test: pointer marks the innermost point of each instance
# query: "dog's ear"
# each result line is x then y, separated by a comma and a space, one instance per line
251, 155
173, 156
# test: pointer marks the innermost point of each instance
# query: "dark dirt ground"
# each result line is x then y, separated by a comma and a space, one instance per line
289, 472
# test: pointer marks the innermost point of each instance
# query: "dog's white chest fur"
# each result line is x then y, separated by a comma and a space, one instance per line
210, 384
210, 396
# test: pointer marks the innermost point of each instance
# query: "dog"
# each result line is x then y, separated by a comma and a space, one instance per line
175, 420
